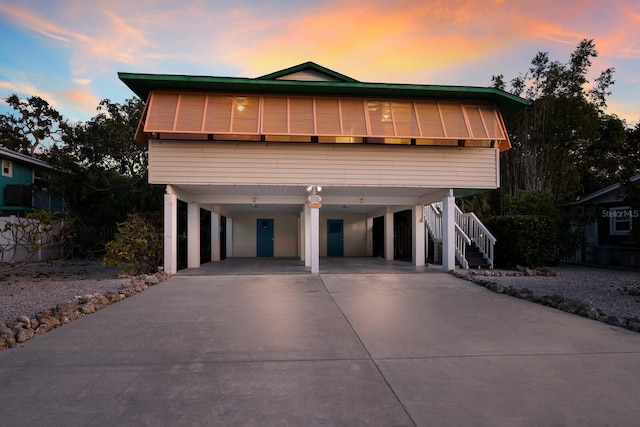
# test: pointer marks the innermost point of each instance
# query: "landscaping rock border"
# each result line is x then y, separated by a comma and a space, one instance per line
25, 328
559, 302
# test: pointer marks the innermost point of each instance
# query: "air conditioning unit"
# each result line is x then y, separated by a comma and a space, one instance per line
17, 195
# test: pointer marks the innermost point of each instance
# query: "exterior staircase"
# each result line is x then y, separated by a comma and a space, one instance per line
474, 242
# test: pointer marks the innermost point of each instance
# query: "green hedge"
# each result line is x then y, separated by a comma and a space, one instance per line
527, 240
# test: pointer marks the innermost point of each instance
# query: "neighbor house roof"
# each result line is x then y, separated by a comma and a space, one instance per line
605, 191
14, 155
338, 85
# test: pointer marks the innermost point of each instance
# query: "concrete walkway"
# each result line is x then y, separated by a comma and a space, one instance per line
324, 350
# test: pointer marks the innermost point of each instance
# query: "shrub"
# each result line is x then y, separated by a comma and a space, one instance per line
138, 245
532, 203
527, 240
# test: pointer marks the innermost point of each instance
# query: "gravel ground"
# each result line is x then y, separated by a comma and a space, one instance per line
614, 292
38, 286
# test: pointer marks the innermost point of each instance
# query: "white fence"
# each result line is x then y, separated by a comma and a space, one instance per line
27, 240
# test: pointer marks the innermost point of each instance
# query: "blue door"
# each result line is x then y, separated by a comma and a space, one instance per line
265, 237
335, 237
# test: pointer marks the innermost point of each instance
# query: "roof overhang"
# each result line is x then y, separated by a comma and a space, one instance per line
594, 197
23, 158
143, 84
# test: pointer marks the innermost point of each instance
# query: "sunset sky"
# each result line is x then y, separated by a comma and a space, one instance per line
69, 51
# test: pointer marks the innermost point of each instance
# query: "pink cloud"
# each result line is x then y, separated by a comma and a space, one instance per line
377, 40
37, 23
410, 35
371, 40
80, 99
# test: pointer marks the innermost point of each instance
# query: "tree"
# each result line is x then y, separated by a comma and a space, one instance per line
102, 170
107, 169
630, 153
34, 125
599, 163
552, 139
106, 141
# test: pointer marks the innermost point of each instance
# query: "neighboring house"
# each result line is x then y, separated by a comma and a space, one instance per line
24, 184
307, 162
24, 188
608, 240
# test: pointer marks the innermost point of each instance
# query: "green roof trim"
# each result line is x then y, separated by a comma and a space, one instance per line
465, 192
142, 84
306, 67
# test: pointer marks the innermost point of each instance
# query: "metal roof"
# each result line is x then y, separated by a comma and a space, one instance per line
142, 84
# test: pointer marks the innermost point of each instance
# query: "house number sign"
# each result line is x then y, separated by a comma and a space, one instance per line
314, 201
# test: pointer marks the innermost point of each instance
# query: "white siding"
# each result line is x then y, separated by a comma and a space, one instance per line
285, 234
244, 236
355, 234
191, 162
309, 76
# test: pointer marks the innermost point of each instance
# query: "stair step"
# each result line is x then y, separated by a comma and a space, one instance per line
474, 257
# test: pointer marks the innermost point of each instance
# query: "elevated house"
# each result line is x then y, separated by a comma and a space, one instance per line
308, 163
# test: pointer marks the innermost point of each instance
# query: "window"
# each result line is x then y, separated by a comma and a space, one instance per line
620, 220
7, 168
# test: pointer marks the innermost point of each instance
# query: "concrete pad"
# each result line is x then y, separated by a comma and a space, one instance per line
518, 390
196, 319
440, 315
206, 394
456, 354
328, 349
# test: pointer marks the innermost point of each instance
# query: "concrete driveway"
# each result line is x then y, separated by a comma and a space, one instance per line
324, 350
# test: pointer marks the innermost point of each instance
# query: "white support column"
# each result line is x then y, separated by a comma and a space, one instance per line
215, 236
307, 236
418, 240
193, 235
448, 233
388, 236
315, 240
170, 232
